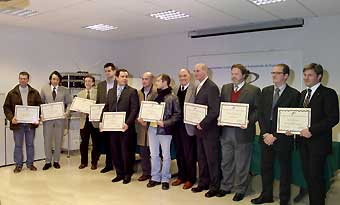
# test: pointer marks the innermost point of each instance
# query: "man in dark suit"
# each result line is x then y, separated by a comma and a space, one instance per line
123, 98
207, 93
272, 143
237, 142
102, 90
315, 142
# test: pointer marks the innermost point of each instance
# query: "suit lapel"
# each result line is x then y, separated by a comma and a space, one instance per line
203, 86
315, 95
121, 94
244, 92
190, 92
282, 96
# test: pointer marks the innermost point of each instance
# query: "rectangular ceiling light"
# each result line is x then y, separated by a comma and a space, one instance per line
169, 15
264, 2
19, 12
101, 27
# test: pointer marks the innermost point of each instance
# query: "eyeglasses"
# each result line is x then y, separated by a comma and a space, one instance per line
276, 73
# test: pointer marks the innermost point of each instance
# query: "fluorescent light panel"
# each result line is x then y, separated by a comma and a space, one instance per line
264, 2
101, 27
19, 12
169, 15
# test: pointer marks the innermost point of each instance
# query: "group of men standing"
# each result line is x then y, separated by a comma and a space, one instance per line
219, 172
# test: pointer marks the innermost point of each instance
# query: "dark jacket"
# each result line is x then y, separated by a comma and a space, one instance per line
13, 98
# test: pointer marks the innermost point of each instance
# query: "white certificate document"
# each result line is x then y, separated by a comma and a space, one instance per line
194, 113
293, 119
27, 114
81, 105
96, 112
151, 111
233, 114
53, 111
113, 121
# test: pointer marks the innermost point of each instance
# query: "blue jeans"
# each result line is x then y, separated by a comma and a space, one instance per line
158, 173
24, 132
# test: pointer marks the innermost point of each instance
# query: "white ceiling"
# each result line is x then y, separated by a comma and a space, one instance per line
132, 16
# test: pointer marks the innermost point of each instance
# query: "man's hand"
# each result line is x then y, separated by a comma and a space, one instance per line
14, 121
289, 134
245, 126
269, 139
306, 133
100, 127
199, 127
160, 123
125, 127
142, 122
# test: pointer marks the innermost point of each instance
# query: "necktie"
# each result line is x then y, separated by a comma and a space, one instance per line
275, 99
307, 100
54, 93
235, 88
119, 92
182, 88
88, 95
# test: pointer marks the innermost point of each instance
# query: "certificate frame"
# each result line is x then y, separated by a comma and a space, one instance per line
59, 105
203, 108
84, 109
233, 105
151, 103
23, 108
120, 115
307, 112
91, 117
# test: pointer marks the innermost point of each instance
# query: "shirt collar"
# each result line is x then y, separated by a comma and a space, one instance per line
314, 87
185, 86
240, 85
203, 81
56, 87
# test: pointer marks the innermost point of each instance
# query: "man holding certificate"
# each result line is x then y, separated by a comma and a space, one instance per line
124, 99
274, 144
54, 126
315, 142
160, 133
237, 138
88, 128
22, 125
207, 94
147, 93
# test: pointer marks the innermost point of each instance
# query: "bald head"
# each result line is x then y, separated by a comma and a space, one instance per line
147, 79
200, 71
184, 76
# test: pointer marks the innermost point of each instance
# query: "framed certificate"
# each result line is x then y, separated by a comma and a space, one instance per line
96, 112
151, 111
113, 121
53, 111
293, 119
27, 114
233, 114
81, 105
194, 113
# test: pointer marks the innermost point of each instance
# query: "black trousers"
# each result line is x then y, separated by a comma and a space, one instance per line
104, 143
123, 152
313, 165
284, 155
85, 134
186, 154
208, 160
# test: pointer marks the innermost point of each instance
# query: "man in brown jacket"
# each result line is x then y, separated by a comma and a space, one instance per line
22, 94
147, 93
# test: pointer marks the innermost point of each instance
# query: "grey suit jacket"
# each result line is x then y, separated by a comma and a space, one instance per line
250, 94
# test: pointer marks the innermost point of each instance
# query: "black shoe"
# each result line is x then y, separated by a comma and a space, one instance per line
47, 166
106, 169
127, 180
262, 200
211, 193
222, 193
152, 184
284, 203
56, 165
117, 179
17, 169
165, 185
238, 197
302, 193
198, 189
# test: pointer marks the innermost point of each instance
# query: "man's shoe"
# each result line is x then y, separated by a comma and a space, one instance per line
177, 182
198, 189
165, 185
211, 193
32, 167
144, 178
47, 166
222, 193
93, 167
117, 179
127, 180
82, 166
187, 185
106, 169
261, 200
56, 165
152, 184
17, 169
238, 197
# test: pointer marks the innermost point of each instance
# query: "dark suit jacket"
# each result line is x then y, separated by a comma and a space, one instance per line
102, 92
250, 94
325, 115
128, 102
289, 98
209, 95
